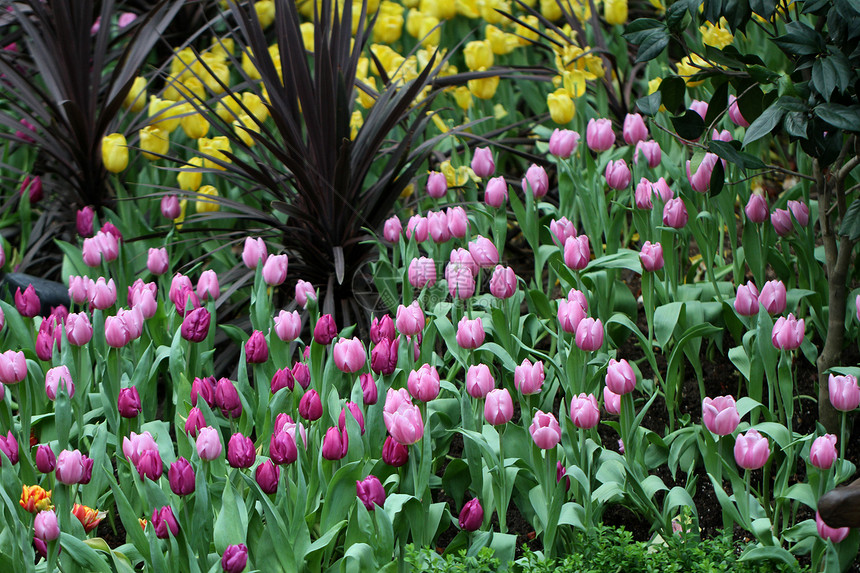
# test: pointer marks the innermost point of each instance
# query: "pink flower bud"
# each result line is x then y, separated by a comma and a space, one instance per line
13, 367
422, 272
128, 403
723, 135
382, 328
355, 411
650, 151
102, 294
45, 526
528, 377
479, 381
393, 453
170, 207
570, 314
675, 213
9, 447
392, 229
34, 185
410, 319
773, 297
78, 289
461, 281
642, 195
634, 129
84, 221
437, 185
288, 325
563, 142
735, 113
470, 333
482, 162
70, 466
404, 424
417, 227
369, 393
349, 355
256, 349
458, 222
822, 453
720, 415
302, 374
834, 534
589, 334
781, 221
164, 522
208, 443
496, 192
157, 261
611, 401
599, 135
545, 431
27, 303
561, 230
661, 189
207, 285
651, 256
471, 516
370, 492
701, 180
584, 411
227, 398
700, 107
844, 392
503, 282
254, 252
800, 212
756, 209
46, 461
751, 450
275, 270
235, 557
483, 252
305, 291
424, 383
56, 377
746, 303
620, 377
577, 252
536, 180
117, 333
194, 422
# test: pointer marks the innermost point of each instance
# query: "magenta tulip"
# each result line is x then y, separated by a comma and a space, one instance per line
577, 252
370, 492
471, 516
27, 303
164, 522
503, 282
267, 475
788, 332
394, 454
335, 444
620, 377
747, 300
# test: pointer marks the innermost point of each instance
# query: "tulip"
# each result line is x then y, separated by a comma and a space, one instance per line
405, 424
458, 222
325, 330
208, 443
9, 446
349, 355
282, 445
482, 162
498, 406
194, 422
304, 292
283, 378
164, 522
410, 319
528, 377
78, 289
844, 392
392, 229
537, 180
356, 414
620, 377
589, 334
207, 285
751, 450
46, 460
563, 142
470, 333
422, 272
84, 221
149, 465
471, 516
27, 302
822, 453
570, 314
720, 415
756, 208
45, 526
267, 475
584, 411
662, 190
578, 296
599, 135
275, 270
134, 446
335, 444
157, 261
117, 333
56, 377
787, 332
834, 534
417, 227
240, 451
424, 383
381, 328
89, 517
114, 152
370, 492
70, 466
383, 356
13, 367
700, 107
102, 294
310, 406
773, 297
204, 388
461, 281
463, 258
128, 402
675, 213
735, 113
437, 185
800, 212
545, 431
256, 349
723, 135
561, 230
170, 207
781, 221
302, 374
561, 106
479, 381
195, 325
650, 151
611, 401
235, 557
503, 282
27, 128
288, 325
747, 300
369, 393
651, 256
484, 252
34, 499
496, 192
179, 284
254, 252
227, 398
634, 129
701, 180
394, 454
577, 252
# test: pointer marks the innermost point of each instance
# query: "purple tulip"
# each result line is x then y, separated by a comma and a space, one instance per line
128, 403
256, 349
675, 213
235, 558
370, 492
268, 475
240, 451
471, 516
325, 330
181, 477
164, 522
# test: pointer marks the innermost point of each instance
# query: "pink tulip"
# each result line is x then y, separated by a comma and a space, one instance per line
381, 328
128, 402
13, 367
496, 192
410, 319
482, 162
424, 383
788, 333
164, 523
751, 450
822, 453
470, 333
195, 325
78, 289
781, 221
275, 270
561, 230
471, 516
723, 135
599, 135
288, 325
27, 303
461, 281
479, 381
393, 453
747, 300
437, 185
662, 190
355, 412
195, 422
563, 142
584, 411
422, 272
254, 252
651, 256
700, 107
45, 526
484, 252
102, 294
208, 443
570, 314
498, 407
458, 222
642, 195
349, 355
611, 401
117, 334
634, 129
620, 377
844, 392
577, 252
56, 377
503, 282
134, 445
545, 431
392, 229
735, 113
720, 415
157, 261
700, 181
537, 180
589, 334
417, 228
574, 295
675, 213
405, 424
462, 257
528, 377
170, 207
834, 534
650, 151
305, 291
437, 226
773, 297
756, 209
800, 212
9, 447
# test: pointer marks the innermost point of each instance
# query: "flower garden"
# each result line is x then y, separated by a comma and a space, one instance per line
468, 285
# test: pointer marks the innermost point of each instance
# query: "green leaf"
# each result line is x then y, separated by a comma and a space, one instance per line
800, 40
771, 553
675, 16
232, 521
764, 8
690, 125
650, 105
840, 116
851, 222
340, 495
718, 179
764, 124
83, 554
728, 150
824, 77
673, 90
652, 45
640, 29
796, 123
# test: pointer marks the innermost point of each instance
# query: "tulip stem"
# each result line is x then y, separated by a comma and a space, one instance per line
842, 436
503, 494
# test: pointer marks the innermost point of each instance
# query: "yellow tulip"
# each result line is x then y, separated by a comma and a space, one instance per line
468, 8
207, 205
217, 74
192, 88
690, 66
265, 12
407, 191
212, 148
153, 140
364, 99
195, 125
428, 32
441, 9
307, 29
183, 205
488, 11
484, 88
413, 23
550, 10
718, 36
526, 36
164, 113
228, 108
255, 105
135, 100
222, 46
501, 42
388, 28
243, 126
190, 180
615, 11
114, 152
356, 120
248, 66
180, 65
561, 107
388, 58
463, 97
478, 54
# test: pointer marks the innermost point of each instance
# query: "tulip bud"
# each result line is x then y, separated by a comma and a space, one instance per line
834, 534
756, 208
46, 461
114, 152
164, 522
599, 135
302, 374
181, 477
675, 213
651, 151
496, 192
235, 557
392, 229
800, 212
844, 392
479, 381
254, 252
700, 107
537, 180
458, 222
822, 453
45, 526
545, 431
195, 325
369, 393
482, 162
207, 285
577, 252
370, 492
620, 377
27, 303
528, 377
751, 450
611, 401
437, 185
128, 402
701, 180
589, 334
70, 466
393, 453
503, 282
240, 451
310, 406
305, 291
561, 230
470, 333
418, 228
634, 129
781, 221
584, 411
256, 349
498, 406
422, 272
773, 297
651, 256
208, 443
335, 444
56, 377
349, 355
461, 281
735, 113
227, 398
471, 516
405, 424
84, 221
563, 142
788, 332
275, 270
268, 475
410, 319
424, 383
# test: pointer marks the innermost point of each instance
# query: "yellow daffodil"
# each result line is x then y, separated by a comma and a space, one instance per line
153, 140
190, 180
114, 152
561, 107
135, 100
